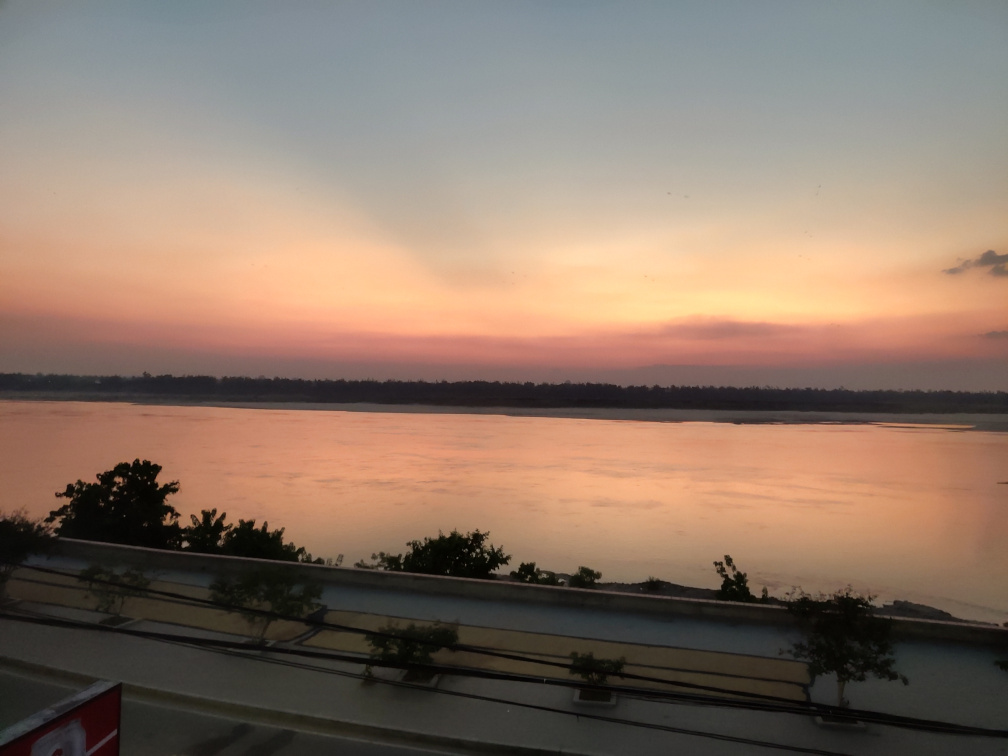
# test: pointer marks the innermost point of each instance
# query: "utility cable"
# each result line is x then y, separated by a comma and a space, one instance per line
757, 701
321, 624
220, 646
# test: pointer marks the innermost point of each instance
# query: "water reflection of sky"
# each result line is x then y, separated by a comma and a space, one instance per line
915, 515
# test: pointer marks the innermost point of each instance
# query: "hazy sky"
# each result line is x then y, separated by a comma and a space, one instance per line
792, 193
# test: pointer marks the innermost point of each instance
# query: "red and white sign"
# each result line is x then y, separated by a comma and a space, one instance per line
86, 724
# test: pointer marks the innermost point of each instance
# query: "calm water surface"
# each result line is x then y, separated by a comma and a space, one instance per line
913, 513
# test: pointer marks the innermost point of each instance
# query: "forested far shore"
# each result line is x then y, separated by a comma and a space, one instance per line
203, 388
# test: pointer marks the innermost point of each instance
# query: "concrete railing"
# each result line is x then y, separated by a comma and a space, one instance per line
490, 590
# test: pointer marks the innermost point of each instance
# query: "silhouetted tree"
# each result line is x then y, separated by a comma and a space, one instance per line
126, 505
454, 554
246, 540
585, 577
206, 535
843, 637
20, 537
734, 584
527, 572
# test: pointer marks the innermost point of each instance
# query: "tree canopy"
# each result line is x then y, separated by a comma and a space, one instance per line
246, 540
264, 594
454, 554
734, 584
207, 532
20, 536
125, 505
527, 572
585, 577
412, 646
844, 637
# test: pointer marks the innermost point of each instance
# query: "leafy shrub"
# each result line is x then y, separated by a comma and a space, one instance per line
527, 572
843, 637
734, 584
454, 554
20, 537
246, 540
411, 646
207, 533
126, 505
260, 594
595, 671
585, 577
111, 588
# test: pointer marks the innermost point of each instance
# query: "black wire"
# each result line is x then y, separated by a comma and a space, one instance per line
228, 647
925, 725
481, 650
758, 701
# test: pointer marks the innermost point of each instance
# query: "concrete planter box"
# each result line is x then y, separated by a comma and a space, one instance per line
595, 698
839, 724
392, 674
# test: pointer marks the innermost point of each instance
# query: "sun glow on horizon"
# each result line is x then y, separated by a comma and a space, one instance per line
551, 218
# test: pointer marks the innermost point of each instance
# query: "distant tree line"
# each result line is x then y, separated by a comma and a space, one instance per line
501, 394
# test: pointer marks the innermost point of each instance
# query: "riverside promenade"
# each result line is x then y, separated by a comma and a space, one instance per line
701, 675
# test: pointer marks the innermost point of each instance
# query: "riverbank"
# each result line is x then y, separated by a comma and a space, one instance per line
988, 422
898, 608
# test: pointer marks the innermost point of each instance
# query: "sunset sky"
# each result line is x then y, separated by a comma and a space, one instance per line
785, 193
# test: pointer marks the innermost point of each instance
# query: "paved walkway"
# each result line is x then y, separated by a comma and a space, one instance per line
733, 673
948, 681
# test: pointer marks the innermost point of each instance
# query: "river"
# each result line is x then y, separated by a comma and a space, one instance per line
903, 511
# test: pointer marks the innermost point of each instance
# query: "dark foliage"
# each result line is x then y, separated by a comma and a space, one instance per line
454, 554
210, 534
269, 589
734, 584
207, 533
595, 671
527, 572
585, 577
494, 393
653, 584
20, 537
843, 637
111, 588
411, 646
126, 505
246, 540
